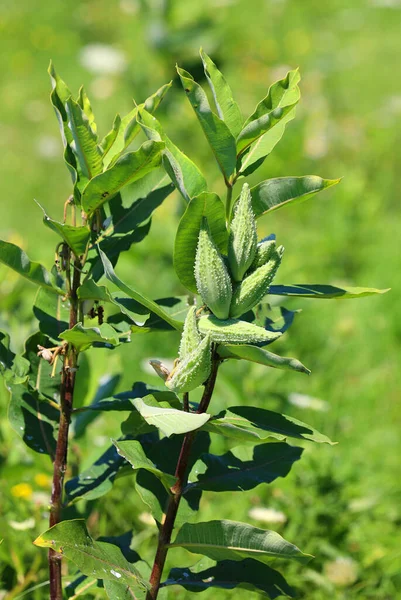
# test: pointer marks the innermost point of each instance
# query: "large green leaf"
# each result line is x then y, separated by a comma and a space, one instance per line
40, 371
221, 540
246, 574
262, 356
244, 468
216, 131
106, 561
77, 238
251, 424
185, 175
52, 312
271, 111
170, 420
152, 306
227, 109
323, 291
84, 141
133, 452
126, 170
106, 387
206, 205
273, 194
83, 337
15, 258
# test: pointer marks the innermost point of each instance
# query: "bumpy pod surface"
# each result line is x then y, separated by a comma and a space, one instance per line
190, 338
194, 370
212, 279
251, 291
242, 241
264, 252
233, 331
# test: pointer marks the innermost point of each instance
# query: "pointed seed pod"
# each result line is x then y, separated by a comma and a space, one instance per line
212, 279
190, 338
233, 331
242, 241
251, 291
161, 369
264, 252
194, 370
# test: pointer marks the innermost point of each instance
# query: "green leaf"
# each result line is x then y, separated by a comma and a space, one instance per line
323, 291
126, 170
109, 139
244, 468
107, 386
40, 370
83, 337
227, 109
6, 355
231, 540
185, 175
53, 313
86, 106
84, 141
273, 194
15, 258
246, 574
262, 356
106, 561
170, 420
133, 452
280, 100
77, 238
251, 424
216, 131
152, 306
255, 155
206, 205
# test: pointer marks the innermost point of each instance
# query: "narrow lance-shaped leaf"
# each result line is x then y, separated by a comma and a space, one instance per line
216, 131
84, 144
221, 540
323, 291
126, 170
273, 194
15, 258
106, 561
183, 172
280, 100
227, 109
206, 205
133, 452
109, 139
77, 238
170, 420
262, 356
86, 106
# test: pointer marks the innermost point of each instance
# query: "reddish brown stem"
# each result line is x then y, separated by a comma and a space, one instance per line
181, 474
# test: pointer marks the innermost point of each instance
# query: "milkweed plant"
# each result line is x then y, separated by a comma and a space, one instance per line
228, 273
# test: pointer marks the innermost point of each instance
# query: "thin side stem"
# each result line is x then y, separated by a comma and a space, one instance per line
181, 474
229, 197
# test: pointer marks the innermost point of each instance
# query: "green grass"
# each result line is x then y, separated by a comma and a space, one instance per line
341, 501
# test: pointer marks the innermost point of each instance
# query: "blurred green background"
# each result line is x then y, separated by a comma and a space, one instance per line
340, 503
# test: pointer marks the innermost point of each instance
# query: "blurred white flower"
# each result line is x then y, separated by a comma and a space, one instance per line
267, 515
22, 525
48, 147
304, 401
342, 571
100, 58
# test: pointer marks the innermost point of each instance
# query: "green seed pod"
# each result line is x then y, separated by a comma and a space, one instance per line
264, 252
233, 331
194, 370
212, 279
251, 291
190, 338
243, 238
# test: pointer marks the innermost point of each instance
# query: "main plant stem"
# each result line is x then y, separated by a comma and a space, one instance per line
181, 474
60, 461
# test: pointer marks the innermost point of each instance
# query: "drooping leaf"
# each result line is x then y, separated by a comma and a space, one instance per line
152, 306
83, 337
133, 452
244, 468
246, 574
273, 194
15, 258
323, 291
261, 356
220, 138
77, 238
170, 420
270, 112
185, 175
227, 109
52, 312
84, 141
105, 561
206, 205
231, 540
126, 170
251, 424
176, 307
